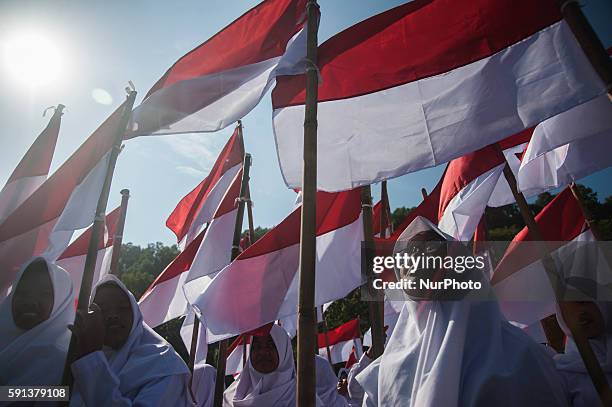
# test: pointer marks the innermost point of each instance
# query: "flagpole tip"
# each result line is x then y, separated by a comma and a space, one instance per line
125, 192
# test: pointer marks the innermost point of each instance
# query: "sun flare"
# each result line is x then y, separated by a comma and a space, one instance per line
32, 59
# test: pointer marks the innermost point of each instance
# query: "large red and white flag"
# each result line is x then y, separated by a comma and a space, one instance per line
520, 280
224, 78
261, 284
429, 81
166, 298
198, 207
341, 341
33, 168
44, 223
236, 354
73, 258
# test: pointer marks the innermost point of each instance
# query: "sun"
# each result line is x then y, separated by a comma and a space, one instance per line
32, 59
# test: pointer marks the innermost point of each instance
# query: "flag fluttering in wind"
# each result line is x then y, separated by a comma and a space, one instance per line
520, 280
73, 258
33, 168
261, 284
341, 340
198, 207
43, 224
429, 81
224, 78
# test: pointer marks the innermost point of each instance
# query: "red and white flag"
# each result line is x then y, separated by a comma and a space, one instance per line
235, 354
261, 284
198, 207
44, 223
567, 147
224, 78
377, 213
33, 168
429, 81
166, 298
73, 258
341, 340
520, 280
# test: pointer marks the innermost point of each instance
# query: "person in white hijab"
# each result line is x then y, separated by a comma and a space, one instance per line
327, 384
457, 353
34, 318
268, 378
121, 361
595, 319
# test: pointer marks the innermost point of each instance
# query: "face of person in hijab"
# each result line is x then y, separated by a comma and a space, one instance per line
117, 313
584, 315
264, 356
33, 298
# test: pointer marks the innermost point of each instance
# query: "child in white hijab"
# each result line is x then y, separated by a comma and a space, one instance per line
34, 320
132, 365
458, 353
595, 318
327, 384
268, 378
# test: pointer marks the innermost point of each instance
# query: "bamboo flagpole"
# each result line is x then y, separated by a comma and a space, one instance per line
584, 348
385, 214
374, 296
118, 238
424, 193
222, 356
97, 228
306, 382
325, 329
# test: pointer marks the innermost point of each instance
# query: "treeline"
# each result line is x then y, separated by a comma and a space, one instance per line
139, 266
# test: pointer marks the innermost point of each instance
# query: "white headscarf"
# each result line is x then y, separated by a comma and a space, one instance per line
327, 384
272, 389
37, 356
459, 353
571, 361
145, 356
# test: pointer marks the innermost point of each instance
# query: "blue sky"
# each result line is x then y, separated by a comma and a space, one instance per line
104, 44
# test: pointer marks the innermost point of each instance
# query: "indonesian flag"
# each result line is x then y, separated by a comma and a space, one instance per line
520, 279
43, 224
429, 81
341, 342
191, 271
33, 168
198, 207
215, 251
164, 299
377, 212
261, 284
568, 147
224, 78
73, 258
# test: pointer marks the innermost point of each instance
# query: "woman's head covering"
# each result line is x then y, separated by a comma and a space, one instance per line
459, 353
272, 389
327, 384
145, 356
571, 361
37, 356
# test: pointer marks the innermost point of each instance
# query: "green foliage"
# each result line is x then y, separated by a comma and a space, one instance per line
138, 267
398, 215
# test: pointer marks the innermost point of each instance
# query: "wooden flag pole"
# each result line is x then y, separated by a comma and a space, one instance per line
586, 352
251, 222
221, 360
588, 216
194, 344
374, 296
325, 329
588, 39
306, 382
385, 218
97, 228
424, 193
118, 238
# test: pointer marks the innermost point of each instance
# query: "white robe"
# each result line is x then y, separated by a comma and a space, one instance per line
327, 384
355, 390
145, 371
37, 356
254, 389
459, 353
203, 385
578, 384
